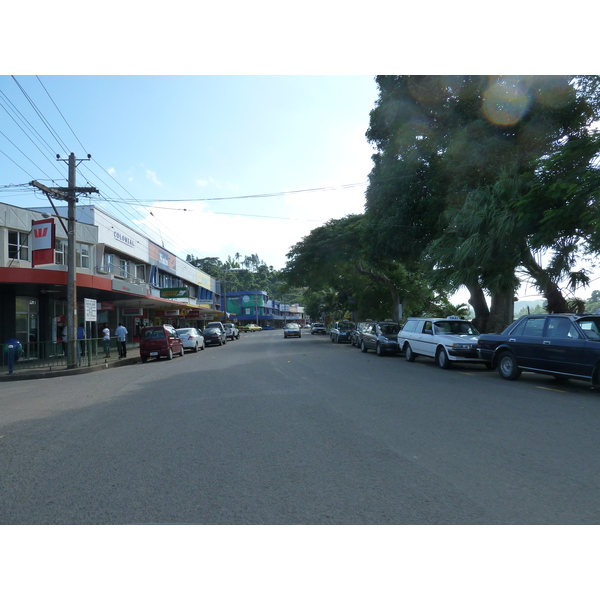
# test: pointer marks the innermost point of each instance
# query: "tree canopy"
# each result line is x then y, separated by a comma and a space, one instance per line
475, 177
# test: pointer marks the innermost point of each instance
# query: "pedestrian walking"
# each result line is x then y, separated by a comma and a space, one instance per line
81, 338
106, 340
121, 333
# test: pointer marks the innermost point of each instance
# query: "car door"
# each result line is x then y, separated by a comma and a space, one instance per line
369, 337
425, 344
564, 347
526, 342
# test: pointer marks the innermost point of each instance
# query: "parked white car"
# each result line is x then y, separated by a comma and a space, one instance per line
191, 338
233, 333
446, 340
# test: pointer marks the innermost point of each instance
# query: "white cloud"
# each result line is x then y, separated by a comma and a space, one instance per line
112, 171
151, 175
193, 229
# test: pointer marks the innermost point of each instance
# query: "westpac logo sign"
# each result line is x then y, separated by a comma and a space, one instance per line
42, 242
42, 235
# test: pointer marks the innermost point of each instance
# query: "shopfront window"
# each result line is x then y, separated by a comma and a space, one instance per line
27, 325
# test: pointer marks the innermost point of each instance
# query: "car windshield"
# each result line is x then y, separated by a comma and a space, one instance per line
292, 326
347, 326
183, 331
454, 328
591, 327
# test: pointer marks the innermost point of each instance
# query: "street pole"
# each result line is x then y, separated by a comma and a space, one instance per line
70, 195
72, 269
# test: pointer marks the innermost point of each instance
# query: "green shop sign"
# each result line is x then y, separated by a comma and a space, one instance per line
174, 293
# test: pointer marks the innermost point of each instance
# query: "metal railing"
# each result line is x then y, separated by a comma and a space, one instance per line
53, 355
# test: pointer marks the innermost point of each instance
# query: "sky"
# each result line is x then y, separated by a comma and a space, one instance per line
174, 156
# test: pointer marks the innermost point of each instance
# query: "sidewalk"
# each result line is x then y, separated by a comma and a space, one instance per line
62, 371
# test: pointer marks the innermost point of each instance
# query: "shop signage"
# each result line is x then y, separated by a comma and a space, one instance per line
107, 306
131, 288
174, 293
90, 307
43, 242
166, 313
133, 312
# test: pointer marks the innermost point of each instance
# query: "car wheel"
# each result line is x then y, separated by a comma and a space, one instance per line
331, 339
144, 359
196, 347
182, 351
363, 347
408, 352
224, 341
507, 366
379, 350
442, 359
338, 340
170, 354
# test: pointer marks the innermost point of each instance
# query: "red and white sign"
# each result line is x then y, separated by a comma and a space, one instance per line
42, 244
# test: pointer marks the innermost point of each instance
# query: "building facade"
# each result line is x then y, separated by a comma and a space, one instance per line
125, 273
131, 279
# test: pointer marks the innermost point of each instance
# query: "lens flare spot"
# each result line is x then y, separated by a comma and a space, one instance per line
505, 102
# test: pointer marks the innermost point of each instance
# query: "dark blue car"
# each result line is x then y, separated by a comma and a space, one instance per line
561, 345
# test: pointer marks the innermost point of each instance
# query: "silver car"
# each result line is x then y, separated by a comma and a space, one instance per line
191, 338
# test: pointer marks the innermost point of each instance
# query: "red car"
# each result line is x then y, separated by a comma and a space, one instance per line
161, 340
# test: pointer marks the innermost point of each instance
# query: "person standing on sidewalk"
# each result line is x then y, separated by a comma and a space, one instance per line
121, 333
106, 340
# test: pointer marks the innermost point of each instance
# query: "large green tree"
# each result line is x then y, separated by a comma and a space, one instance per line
338, 256
453, 154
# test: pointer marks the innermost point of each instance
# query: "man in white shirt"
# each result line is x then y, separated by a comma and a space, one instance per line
121, 333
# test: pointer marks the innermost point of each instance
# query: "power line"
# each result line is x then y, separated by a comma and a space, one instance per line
255, 196
42, 118
60, 113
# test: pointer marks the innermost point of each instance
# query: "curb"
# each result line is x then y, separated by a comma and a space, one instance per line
63, 371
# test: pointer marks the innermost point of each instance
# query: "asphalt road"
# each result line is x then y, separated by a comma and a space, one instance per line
298, 431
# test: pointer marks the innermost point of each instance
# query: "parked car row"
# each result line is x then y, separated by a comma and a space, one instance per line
166, 341
563, 346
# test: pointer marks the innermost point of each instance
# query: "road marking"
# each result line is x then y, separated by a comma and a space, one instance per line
550, 389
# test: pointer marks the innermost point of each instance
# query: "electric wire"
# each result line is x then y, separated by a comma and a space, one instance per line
42, 118
60, 113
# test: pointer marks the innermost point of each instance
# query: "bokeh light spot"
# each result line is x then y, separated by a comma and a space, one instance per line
505, 102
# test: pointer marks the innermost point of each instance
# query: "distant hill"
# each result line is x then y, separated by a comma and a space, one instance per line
531, 303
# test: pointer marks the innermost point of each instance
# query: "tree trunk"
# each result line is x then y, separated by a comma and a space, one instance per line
502, 313
482, 312
381, 278
548, 288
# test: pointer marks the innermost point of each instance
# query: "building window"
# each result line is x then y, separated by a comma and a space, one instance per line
83, 256
60, 252
124, 266
108, 263
18, 245
140, 272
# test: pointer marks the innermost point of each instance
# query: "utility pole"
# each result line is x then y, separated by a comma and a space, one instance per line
69, 194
